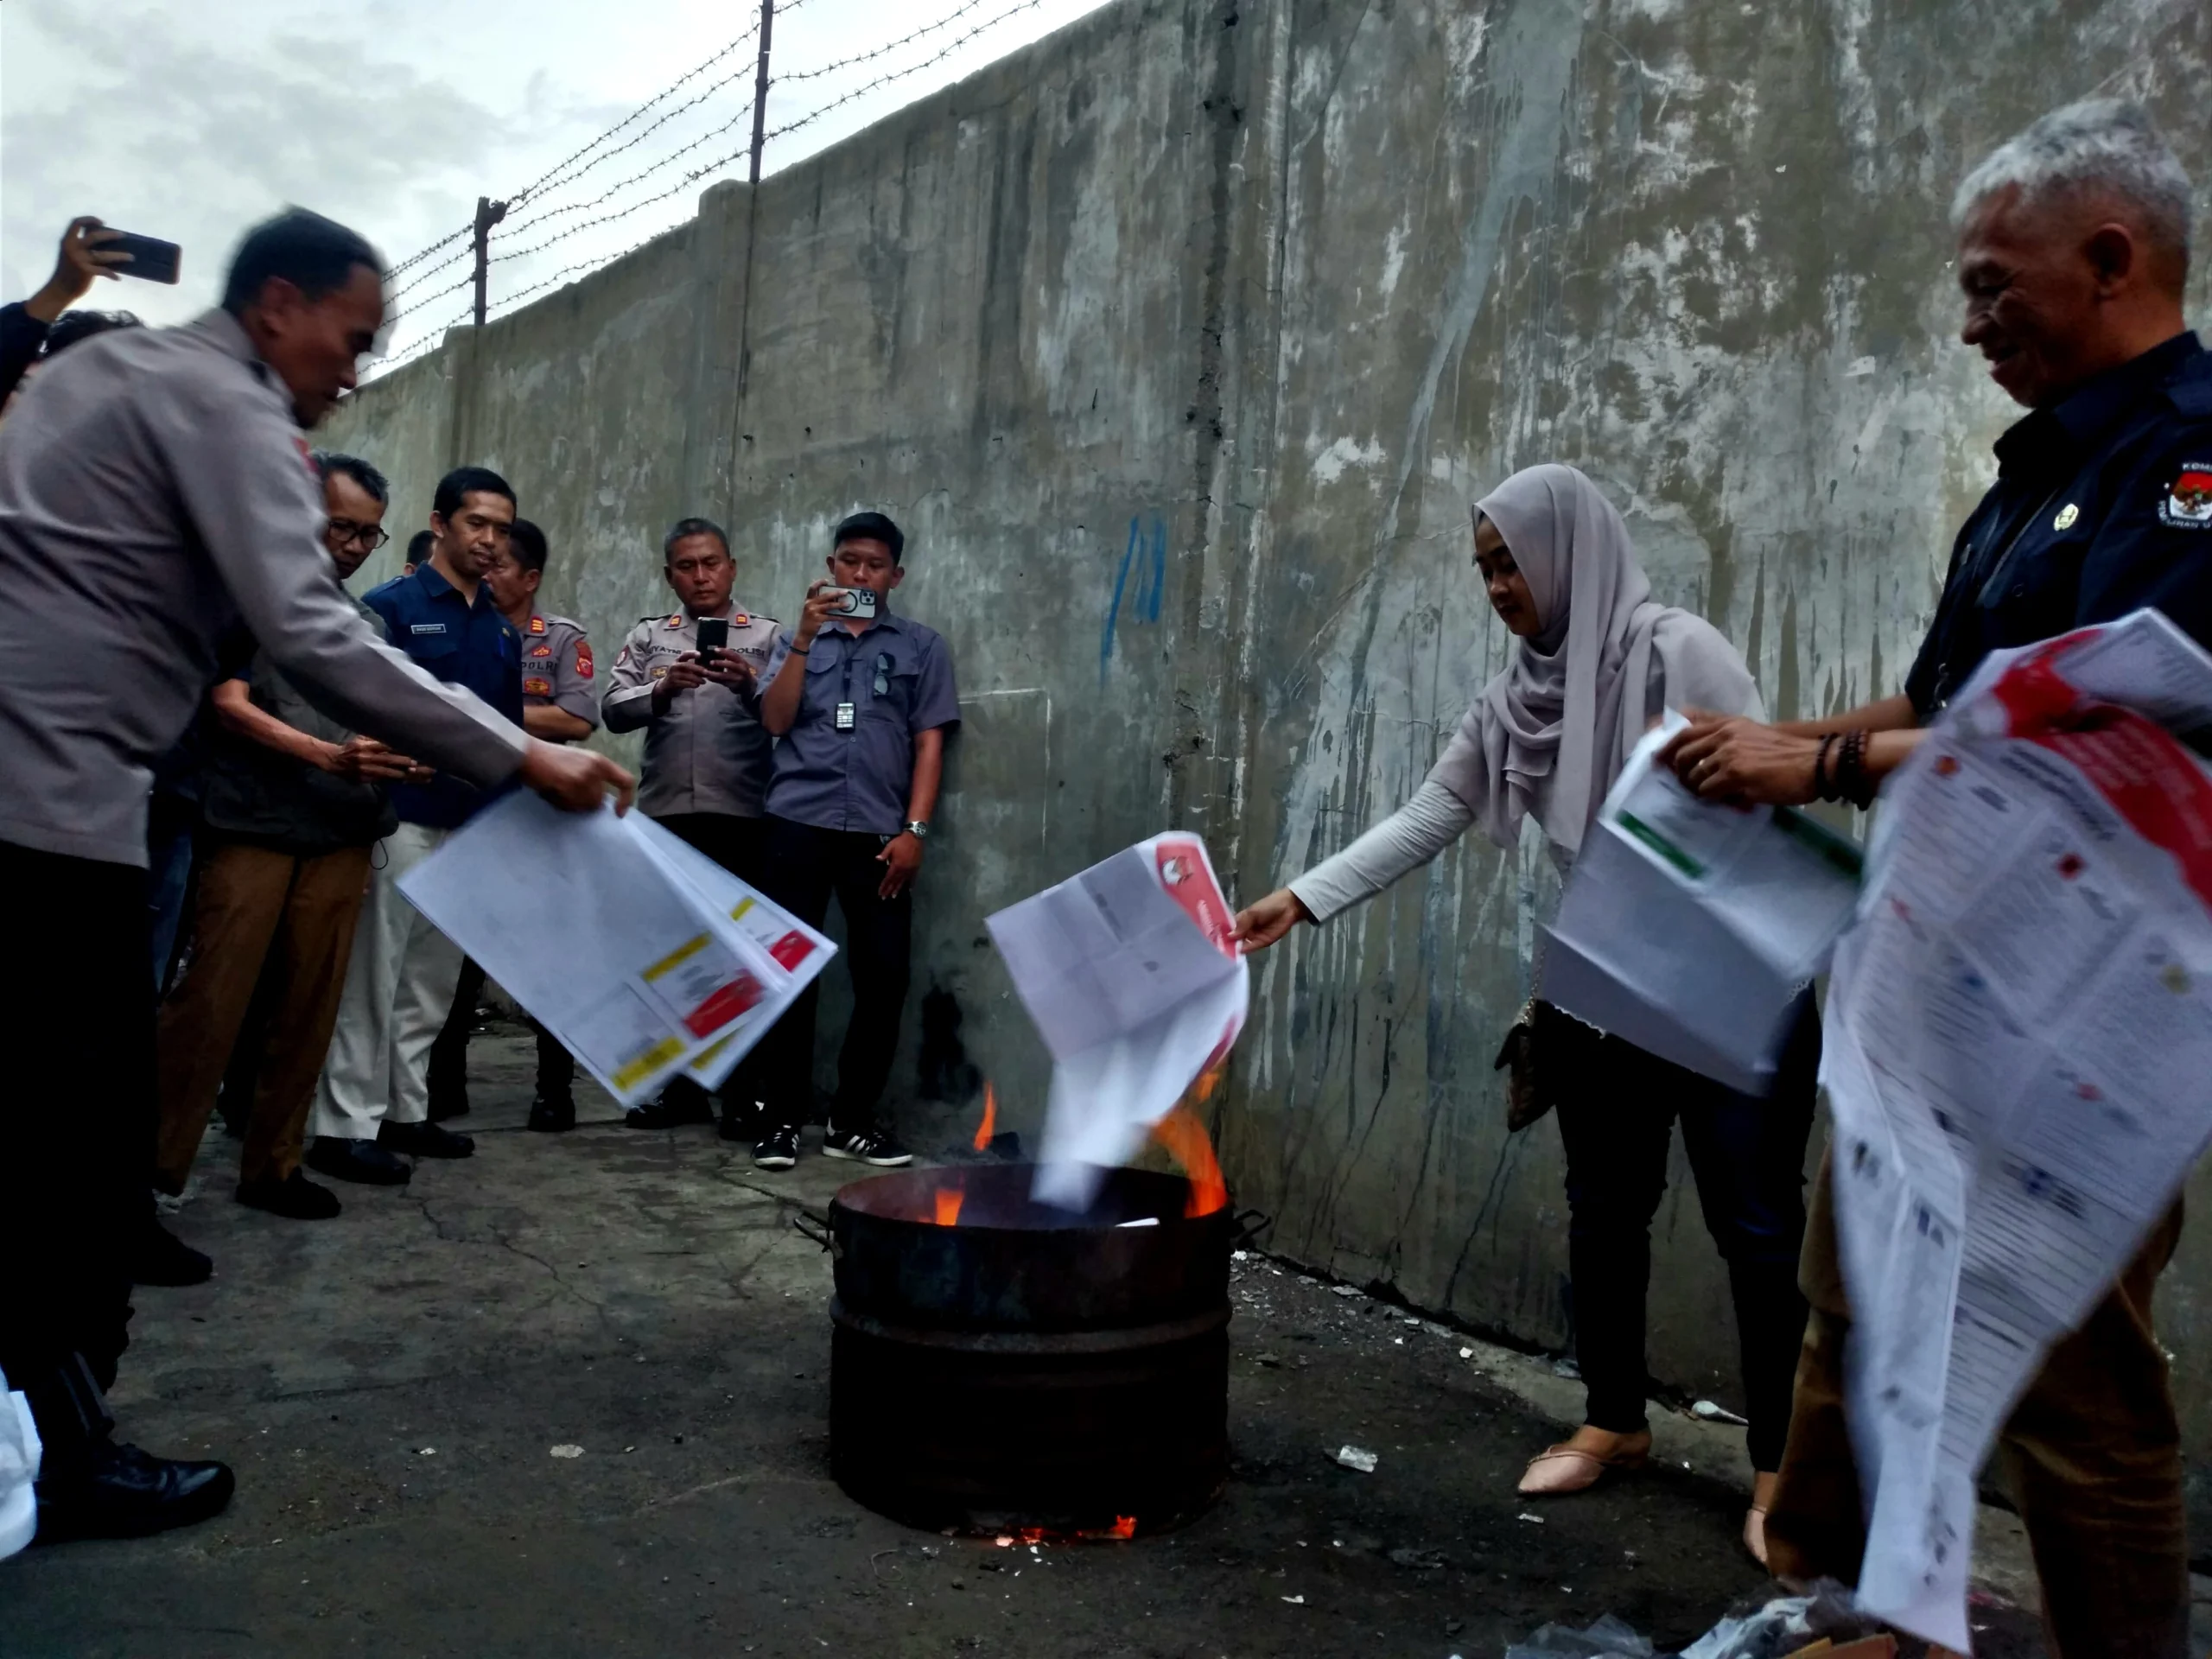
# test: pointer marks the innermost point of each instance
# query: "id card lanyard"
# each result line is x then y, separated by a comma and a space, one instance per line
848, 711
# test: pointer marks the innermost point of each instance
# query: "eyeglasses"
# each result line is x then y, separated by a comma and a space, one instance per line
342, 531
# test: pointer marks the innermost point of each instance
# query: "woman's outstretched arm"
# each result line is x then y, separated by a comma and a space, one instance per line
1405, 841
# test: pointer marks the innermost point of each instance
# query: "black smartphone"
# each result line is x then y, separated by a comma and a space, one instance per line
152, 260
713, 637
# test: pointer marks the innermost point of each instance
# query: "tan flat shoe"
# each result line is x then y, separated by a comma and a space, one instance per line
1568, 1467
1763, 1487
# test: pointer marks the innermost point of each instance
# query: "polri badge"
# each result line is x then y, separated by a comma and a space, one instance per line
2187, 505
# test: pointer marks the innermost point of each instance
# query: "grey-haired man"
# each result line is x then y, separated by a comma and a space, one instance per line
2073, 257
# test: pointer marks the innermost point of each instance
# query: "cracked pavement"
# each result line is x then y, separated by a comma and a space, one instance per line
390, 1386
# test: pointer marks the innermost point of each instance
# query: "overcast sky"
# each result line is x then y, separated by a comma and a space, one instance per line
189, 119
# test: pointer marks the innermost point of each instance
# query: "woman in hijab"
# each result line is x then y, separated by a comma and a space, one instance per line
1597, 662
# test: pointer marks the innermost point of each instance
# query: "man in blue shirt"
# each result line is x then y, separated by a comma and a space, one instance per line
862, 700
372, 1102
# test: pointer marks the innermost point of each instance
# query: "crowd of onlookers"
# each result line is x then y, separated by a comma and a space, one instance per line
262, 755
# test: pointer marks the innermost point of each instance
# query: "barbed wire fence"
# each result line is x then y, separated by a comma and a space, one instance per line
558, 207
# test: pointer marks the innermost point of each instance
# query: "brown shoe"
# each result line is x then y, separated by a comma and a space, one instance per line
1579, 1462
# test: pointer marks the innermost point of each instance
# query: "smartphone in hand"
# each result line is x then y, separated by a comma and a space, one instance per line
152, 260
713, 637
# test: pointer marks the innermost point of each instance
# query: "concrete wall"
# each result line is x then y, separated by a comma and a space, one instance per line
1181, 341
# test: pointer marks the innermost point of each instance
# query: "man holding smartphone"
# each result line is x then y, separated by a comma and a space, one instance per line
862, 700
689, 681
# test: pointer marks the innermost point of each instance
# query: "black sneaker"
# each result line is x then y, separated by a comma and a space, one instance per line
294, 1197
364, 1161
159, 1257
127, 1493
777, 1149
681, 1102
876, 1146
424, 1140
552, 1116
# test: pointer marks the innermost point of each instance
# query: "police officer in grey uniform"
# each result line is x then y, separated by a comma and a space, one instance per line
707, 753
155, 492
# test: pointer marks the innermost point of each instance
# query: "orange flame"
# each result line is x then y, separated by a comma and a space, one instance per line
990, 1124
1209, 1080
948, 1205
1187, 1142
1125, 1526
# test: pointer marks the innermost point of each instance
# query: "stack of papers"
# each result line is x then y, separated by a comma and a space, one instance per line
1693, 930
2018, 1055
1132, 974
642, 956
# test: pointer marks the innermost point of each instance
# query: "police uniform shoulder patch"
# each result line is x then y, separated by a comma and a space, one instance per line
537, 624
2187, 504
584, 660
676, 622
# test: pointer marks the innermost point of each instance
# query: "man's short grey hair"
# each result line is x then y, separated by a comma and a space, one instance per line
2104, 145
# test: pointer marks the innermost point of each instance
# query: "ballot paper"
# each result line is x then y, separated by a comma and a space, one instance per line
2019, 1058
801, 951
642, 957
1132, 975
1695, 930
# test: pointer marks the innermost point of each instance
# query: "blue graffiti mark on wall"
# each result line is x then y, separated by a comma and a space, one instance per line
1147, 555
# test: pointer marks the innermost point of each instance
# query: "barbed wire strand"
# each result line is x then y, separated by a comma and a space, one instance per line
746, 73
887, 47
421, 254
814, 115
739, 119
428, 272
551, 177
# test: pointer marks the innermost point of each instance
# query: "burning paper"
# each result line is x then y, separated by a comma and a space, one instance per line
1134, 979
2018, 1055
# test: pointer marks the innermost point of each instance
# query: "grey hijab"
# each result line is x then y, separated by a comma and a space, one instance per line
1551, 732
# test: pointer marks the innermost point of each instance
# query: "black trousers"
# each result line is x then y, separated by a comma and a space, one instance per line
448, 1075
77, 1119
1618, 1105
801, 868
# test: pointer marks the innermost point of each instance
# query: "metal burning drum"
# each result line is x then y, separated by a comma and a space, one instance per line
998, 1363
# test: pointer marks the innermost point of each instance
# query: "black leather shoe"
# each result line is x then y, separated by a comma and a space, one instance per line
364, 1161
161, 1258
123, 1492
551, 1116
295, 1198
681, 1102
424, 1141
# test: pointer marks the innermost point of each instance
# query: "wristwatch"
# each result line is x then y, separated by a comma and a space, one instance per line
919, 828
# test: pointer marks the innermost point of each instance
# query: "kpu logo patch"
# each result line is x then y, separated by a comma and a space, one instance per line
2187, 505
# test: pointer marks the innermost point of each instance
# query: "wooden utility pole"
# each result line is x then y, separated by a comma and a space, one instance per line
490, 212
760, 88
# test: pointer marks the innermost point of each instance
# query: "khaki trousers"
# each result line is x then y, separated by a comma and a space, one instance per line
255, 909
398, 989
2092, 1453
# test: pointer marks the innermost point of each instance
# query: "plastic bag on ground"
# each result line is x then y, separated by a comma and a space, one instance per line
20, 1451
1609, 1638
1779, 1628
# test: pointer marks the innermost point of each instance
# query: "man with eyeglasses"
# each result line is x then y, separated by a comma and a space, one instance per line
291, 806
371, 1107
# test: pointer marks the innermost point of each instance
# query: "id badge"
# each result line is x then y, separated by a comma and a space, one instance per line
845, 716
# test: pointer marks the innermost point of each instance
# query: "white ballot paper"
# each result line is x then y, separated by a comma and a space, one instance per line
1695, 930
644, 957
1134, 979
2019, 1058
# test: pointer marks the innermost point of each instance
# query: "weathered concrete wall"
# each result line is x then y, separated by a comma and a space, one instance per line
1181, 341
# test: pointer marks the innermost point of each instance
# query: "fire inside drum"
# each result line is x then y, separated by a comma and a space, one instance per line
1029, 1366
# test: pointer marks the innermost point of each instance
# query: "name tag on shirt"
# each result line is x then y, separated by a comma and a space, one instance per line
426, 627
